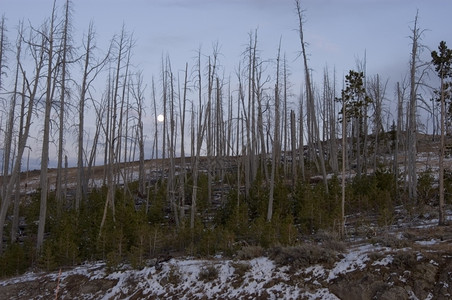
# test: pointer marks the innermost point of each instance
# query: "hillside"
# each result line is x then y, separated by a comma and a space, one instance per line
401, 254
405, 261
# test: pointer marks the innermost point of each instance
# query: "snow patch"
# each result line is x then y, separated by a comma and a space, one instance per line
353, 260
427, 243
384, 261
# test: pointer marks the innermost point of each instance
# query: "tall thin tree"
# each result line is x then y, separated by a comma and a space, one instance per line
312, 119
50, 81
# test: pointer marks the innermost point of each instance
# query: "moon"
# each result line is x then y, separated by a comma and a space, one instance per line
160, 118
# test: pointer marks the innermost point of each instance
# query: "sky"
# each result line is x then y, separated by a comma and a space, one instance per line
338, 32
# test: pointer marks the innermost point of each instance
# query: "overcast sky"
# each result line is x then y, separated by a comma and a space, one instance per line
338, 31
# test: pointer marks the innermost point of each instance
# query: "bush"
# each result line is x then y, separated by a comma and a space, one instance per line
250, 252
240, 268
405, 259
392, 241
302, 255
113, 261
208, 273
174, 276
136, 257
425, 187
15, 260
47, 259
330, 241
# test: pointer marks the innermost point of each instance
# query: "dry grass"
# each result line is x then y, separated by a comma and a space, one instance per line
250, 252
208, 273
303, 256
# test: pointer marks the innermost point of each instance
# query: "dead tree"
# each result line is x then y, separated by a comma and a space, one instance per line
8, 134
301, 138
330, 117
3, 47
312, 119
112, 138
138, 94
63, 57
50, 82
91, 68
377, 93
276, 149
183, 173
11, 114
293, 148
398, 135
412, 124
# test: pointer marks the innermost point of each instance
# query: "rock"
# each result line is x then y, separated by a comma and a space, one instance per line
396, 292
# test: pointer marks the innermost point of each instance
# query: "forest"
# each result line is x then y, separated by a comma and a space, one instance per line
233, 160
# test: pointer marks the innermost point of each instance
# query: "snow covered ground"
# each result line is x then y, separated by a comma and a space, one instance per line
366, 270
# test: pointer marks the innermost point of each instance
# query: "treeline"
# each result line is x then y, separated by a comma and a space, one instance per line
291, 166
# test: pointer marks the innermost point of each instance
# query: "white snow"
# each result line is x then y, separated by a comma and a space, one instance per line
427, 243
353, 260
384, 261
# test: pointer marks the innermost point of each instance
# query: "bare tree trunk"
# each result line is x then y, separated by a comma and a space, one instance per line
46, 133
344, 157
276, 144
310, 98
155, 147
331, 120
412, 126
293, 140
250, 162
38, 55
139, 98
220, 132
111, 133
122, 135
229, 134
284, 120
245, 146
442, 208
12, 109
64, 64
108, 125
301, 143
3, 43
165, 117
15, 224
199, 138
209, 136
80, 168
93, 152
237, 155
171, 142
260, 128
365, 131
377, 97
183, 173
357, 122
397, 140
88, 69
